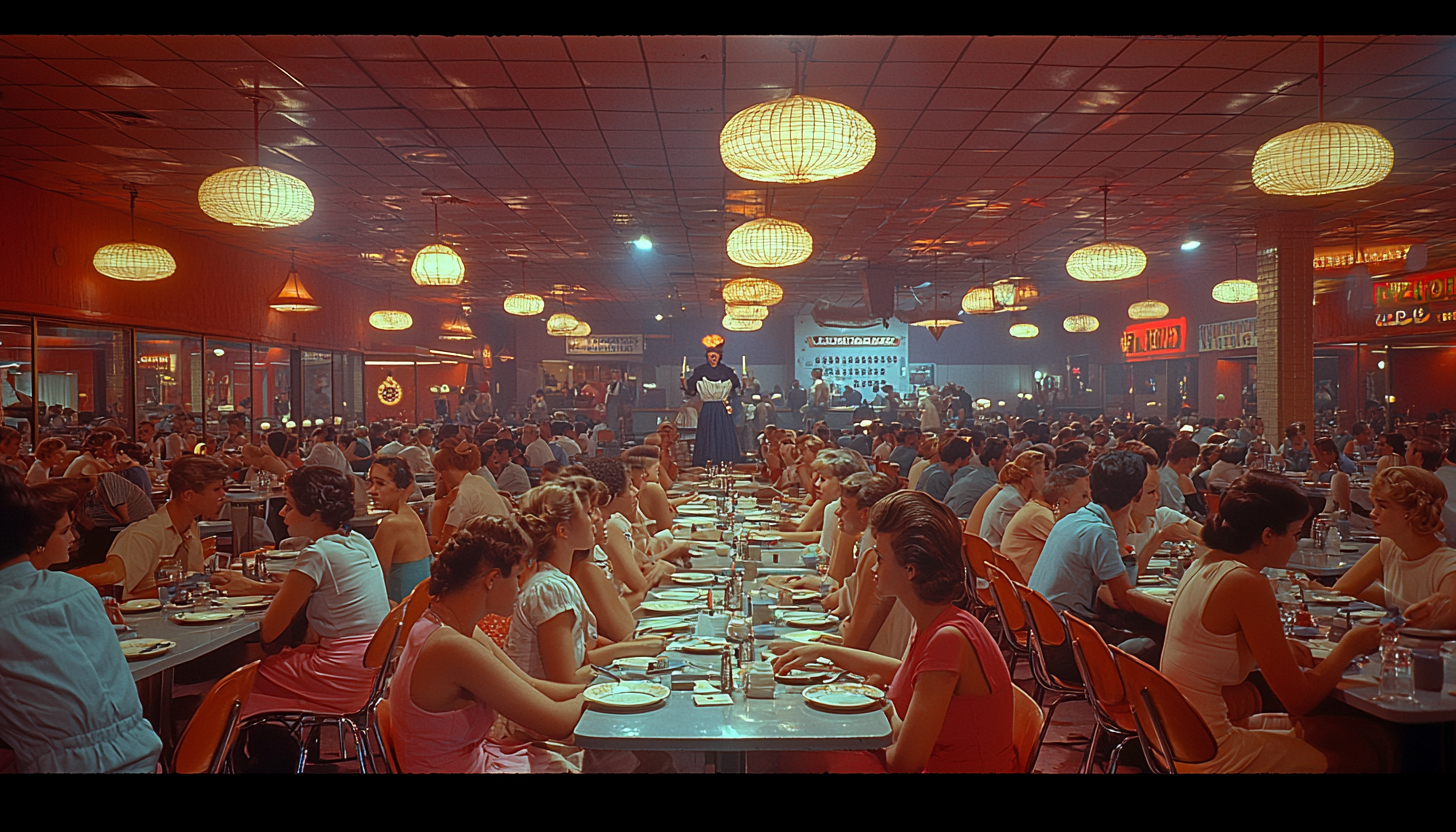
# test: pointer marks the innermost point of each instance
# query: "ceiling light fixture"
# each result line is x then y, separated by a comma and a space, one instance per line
1236, 290
738, 325
936, 323
437, 264
755, 290
1322, 158
391, 320
562, 324
1147, 309
746, 311
524, 303
1081, 323
1024, 331
255, 196
456, 329
769, 243
292, 297
1105, 261
642, 243
980, 300
134, 261
1190, 245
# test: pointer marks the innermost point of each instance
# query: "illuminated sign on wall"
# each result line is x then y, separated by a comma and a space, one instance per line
1228, 335
1155, 339
1428, 288
604, 345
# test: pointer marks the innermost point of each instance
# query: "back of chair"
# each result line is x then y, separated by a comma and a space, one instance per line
1044, 617
1008, 604
605, 437
385, 638
1004, 563
978, 554
1026, 724
1099, 673
209, 736
385, 723
1212, 498
1171, 730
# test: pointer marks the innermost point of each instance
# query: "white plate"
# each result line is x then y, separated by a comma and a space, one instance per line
635, 662
626, 696
844, 696
668, 606
692, 578
679, 594
1159, 591
769, 539
807, 619
703, 646
142, 649
813, 637
203, 618
142, 605
701, 511
1368, 615
1330, 598
803, 677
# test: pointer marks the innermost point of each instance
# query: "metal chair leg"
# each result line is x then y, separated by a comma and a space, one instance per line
1117, 754
308, 736
1091, 755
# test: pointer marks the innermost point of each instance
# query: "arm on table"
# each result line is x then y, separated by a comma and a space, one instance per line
860, 662
614, 618
1149, 608
489, 678
290, 598
1360, 580
1437, 611
813, 518
110, 572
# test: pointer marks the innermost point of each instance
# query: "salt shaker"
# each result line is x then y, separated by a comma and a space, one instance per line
725, 671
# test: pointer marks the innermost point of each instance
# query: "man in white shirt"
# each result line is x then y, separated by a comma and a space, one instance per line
1205, 430
325, 452
538, 452
563, 439
509, 477
394, 445
418, 452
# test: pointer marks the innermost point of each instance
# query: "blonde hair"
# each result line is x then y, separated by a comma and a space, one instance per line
544, 508
1418, 491
1019, 468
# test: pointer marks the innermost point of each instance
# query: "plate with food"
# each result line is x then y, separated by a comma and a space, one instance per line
844, 696
804, 676
692, 578
626, 697
141, 605
814, 637
142, 649
808, 619
198, 619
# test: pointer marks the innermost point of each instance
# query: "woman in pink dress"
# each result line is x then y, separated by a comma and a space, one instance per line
453, 679
951, 693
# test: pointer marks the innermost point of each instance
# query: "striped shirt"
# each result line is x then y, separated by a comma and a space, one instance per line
114, 490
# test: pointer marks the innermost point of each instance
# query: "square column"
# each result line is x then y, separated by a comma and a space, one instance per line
1284, 270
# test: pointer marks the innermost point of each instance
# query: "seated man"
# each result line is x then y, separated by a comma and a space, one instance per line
969, 488
196, 484
510, 478
1081, 556
936, 481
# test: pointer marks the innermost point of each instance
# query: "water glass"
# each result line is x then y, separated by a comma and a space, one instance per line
1397, 676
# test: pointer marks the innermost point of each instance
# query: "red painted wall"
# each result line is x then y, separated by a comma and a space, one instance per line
1421, 379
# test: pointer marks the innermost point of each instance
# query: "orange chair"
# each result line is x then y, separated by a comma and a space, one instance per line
1170, 730
210, 734
1047, 631
1004, 563
1110, 708
384, 729
1027, 724
1212, 498
978, 554
1015, 633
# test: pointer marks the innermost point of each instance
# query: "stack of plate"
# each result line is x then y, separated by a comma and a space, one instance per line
843, 697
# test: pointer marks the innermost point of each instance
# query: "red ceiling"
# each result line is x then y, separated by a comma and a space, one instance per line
565, 149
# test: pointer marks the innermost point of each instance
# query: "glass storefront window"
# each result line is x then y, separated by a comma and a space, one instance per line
17, 392
273, 369
318, 388
83, 371
227, 384
349, 387
168, 375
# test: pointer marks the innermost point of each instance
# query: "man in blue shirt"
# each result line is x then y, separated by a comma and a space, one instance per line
937, 478
966, 491
905, 453
1082, 556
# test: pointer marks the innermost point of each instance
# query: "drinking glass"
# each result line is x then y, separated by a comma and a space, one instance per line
1397, 676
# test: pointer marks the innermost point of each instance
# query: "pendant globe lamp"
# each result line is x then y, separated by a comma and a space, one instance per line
1081, 323
391, 320
255, 196
457, 328
937, 322
437, 264
1023, 330
1106, 261
980, 300
1322, 158
1236, 290
746, 311
752, 290
524, 303
769, 243
292, 297
134, 261
740, 325
1147, 309
563, 323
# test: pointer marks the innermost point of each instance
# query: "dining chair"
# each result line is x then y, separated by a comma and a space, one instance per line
1027, 721
384, 728
1111, 711
1014, 631
977, 553
210, 734
1170, 729
1006, 565
978, 511
1047, 633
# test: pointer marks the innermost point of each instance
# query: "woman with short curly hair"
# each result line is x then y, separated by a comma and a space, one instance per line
1417, 570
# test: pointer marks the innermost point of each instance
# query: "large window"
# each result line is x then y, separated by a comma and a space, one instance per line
227, 383
16, 392
318, 387
349, 386
273, 368
168, 375
84, 370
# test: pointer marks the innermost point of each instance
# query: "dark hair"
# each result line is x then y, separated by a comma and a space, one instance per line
560, 428
446, 431
398, 468
483, 543
1159, 439
608, 472
927, 535
1396, 441
1325, 445
1430, 451
551, 467
955, 450
1072, 453
135, 451
277, 442
1182, 449
718, 348
53, 500
1359, 428
19, 515
193, 473
1256, 501
1060, 481
1117, 478
647, 451
993, 448
507, 445
1234, 454
324, 490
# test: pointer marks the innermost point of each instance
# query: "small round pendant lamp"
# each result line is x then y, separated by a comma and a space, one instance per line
582, 330
769, 243
437, 264
754, 290
1024, 331
391, 320
796, 140
1106, 261
980, 300
1081, 323
523, 303
1236, 291
133, 261
562, 324
739, 325
1147, 310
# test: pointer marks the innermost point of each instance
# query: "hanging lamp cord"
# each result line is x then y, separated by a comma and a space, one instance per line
1321, 77
132, 189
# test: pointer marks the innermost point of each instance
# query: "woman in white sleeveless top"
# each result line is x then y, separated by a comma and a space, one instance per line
1225, 621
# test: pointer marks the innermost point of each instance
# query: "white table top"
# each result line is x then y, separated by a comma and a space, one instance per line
192, 642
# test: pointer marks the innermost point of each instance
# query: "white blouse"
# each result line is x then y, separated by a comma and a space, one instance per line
545, 595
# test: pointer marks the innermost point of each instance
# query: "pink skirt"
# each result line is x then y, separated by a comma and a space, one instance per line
328, 677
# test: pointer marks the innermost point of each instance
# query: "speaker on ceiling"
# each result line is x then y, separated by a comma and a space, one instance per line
879, 292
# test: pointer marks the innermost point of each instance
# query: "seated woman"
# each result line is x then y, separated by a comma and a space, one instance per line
1391, 448
807, 449
643, 463
1410, 569
95, 455
130, 457
401, 543
338, 584
70, 704
951, 694
1208, 456
262, 461
668, 448
1066, 489
48, 454
1332, 469
452, 679
788, 456
1295, 450
1021, 480
460, 494
871, 621
593, 575
1230, 466
284, 446
820, 524
1225, 621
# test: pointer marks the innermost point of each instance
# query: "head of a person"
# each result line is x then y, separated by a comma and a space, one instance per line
859, 493
319, 500
918, 539
1159, 439
128, 452
556, 517
198, 481
715, 355
98, 443
1261, 512
18, 516
51, 542
955, 452
146, 432
1423, 452
277, 442
910, 437
453, 462
1391, 443
1183, 454
1234, 454
1294, 434
503, 451
9, 440
424, 436
530, 433
642, 462
612, 474
1067, 489
1117, 478
1406, 500
831, 467
50, 451
1324, 450
236, 424
361, 432
483, 561
929, 447
1361, 433
993, 453
390, 481
1027, 472
1073, 453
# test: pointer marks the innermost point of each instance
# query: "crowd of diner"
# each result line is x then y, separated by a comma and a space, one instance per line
544, 537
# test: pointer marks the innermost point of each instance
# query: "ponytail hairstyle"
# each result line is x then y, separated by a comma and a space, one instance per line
1019, 468
483, 543
398, 468
926, 535
1418, 491
462, 456
1256, 501
543, 510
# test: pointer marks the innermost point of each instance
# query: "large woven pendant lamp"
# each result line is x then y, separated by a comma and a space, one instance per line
1322, 158
769, 243
293, 297
524, 303
134, 261
391, 320
1236, 290
253, 195
980, 300
741, 325
437, 264
1106, 261
753, 290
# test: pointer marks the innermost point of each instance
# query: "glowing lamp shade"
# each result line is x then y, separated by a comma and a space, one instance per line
561, 325
438, 265
979, 301
746, 312
1236, 291
712, 340
1014, 293
1322, 158
1103, 262
1024, 331
256, 197
524, 304
582, 330
739, 325
293, 297
1081, 323
456, 329
134, 261
769, 243
755, 290
1147, 310
391, 320
796, 140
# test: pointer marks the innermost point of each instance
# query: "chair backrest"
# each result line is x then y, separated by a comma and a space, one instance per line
1099, 673
1212, 498
978, 512
385, 723
1171, 730
1008, 603
385, 638
1005, 564
209, 735
1044, 618
605, 437
1026, 722
978, 553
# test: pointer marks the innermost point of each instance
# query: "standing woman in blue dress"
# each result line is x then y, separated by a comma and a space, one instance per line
714, 382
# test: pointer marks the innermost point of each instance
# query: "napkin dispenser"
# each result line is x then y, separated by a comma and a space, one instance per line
1339, 625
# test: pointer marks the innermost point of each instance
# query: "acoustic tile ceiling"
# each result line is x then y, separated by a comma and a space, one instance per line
562, 150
